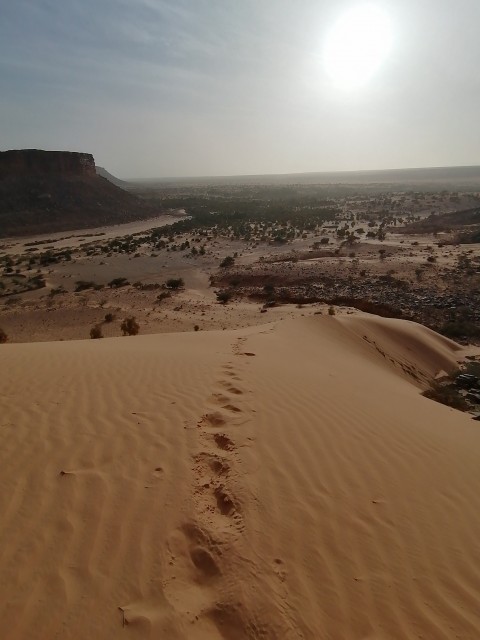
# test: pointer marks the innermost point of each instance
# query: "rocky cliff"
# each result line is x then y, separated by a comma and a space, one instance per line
47, 191
29, 162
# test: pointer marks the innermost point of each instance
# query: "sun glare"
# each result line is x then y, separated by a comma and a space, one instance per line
357, 45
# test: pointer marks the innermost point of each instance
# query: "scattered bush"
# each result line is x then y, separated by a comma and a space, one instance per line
146, 287
224, 296
130, 327
118, 282
56, 291
109, 317
175, 283
82, 285
229, 261
96, 332
331, 311
196, 328
37, 282
3, 337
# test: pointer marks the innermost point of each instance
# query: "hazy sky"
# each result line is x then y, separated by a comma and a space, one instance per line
219, 87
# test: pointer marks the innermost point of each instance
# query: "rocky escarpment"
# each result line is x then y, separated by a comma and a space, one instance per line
29, 162
48, 191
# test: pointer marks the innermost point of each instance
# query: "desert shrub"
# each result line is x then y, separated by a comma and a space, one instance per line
118, 282
448, 395
82, 285
56, 291
130, 327
331, 311
109, 317
37, 282
229, 261
175, 283
3, 337
146, 287
224, 296
163, 295
196, 328
96, 332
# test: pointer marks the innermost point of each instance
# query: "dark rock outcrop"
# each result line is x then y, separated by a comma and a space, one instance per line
48, 191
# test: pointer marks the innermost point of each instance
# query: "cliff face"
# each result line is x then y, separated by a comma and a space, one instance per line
30, 162
47, 191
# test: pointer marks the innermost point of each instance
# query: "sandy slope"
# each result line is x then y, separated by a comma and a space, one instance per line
285, 481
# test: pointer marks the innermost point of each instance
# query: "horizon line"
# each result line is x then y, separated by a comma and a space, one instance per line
297, 173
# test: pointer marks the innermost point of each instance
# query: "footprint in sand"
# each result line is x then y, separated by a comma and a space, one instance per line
231, 389
232, 408
214, 419
217, 465
224, 501
230, 370
219, 398
223, 442
279, 569
233, 376
203, 550
185, 590
204, 562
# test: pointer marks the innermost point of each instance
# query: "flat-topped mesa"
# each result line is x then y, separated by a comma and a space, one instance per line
49, 191
29, 162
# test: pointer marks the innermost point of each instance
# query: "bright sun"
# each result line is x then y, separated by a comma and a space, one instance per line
357, 45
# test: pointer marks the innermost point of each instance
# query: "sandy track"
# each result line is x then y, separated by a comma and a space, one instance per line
283, 481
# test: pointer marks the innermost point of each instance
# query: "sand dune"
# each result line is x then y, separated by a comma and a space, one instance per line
283, 481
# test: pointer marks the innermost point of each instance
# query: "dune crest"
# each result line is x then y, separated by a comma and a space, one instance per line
283, 481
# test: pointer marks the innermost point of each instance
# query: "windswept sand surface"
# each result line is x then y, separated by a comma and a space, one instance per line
286, 481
